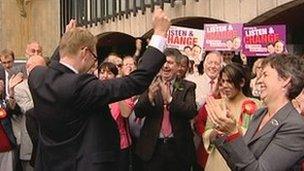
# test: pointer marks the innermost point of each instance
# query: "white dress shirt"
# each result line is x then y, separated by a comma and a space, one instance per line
158, 42
203, 87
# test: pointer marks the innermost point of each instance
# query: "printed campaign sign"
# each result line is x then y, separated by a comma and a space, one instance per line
264, 40
189, 41
223, 37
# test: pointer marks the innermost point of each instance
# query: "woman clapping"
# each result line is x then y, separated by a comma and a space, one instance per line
275, 136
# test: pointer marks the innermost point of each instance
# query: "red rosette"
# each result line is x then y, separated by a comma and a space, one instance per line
248, 108
2, 113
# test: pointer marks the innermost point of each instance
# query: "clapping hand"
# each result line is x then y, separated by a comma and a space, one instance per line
15, 79
221, 117
165, 91
138, 44
153, 88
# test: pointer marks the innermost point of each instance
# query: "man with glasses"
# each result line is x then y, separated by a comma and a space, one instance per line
33, 48
76, 129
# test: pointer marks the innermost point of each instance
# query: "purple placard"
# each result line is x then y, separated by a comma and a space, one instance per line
264, 40
223, 37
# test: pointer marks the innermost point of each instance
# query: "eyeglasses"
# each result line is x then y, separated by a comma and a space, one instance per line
93, 54
38, 51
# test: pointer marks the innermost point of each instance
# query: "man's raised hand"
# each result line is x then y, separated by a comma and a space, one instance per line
161, 22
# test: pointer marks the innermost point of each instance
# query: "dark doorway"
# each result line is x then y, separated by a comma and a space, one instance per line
120, 43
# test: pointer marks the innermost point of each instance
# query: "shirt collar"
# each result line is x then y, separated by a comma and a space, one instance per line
172, 81
69, 66
206, 77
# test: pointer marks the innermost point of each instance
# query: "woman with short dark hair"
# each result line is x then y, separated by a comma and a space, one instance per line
107, 70
121, 110
275, 137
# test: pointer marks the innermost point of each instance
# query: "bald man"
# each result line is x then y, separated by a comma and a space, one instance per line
34, 61
24, 99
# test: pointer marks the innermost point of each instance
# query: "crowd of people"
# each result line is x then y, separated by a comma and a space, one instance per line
159, 110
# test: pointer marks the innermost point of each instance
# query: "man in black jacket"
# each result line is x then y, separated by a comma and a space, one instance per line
76, 129
166, 138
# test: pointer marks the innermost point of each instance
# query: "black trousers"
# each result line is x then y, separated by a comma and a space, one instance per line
165, 158
137, 163
124, 159
17, 162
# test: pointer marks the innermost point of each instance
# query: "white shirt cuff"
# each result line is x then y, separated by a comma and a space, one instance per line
158, 42
170, 100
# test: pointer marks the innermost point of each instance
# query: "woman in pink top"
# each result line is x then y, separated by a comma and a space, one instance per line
121, 110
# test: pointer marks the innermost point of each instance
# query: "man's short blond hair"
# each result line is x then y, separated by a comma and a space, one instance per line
5, 53
75, 39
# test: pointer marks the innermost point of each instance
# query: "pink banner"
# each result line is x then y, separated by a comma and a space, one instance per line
264, 40
223, 37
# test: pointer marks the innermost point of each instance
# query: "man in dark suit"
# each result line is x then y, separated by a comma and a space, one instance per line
76, 129
166, 139
8, 69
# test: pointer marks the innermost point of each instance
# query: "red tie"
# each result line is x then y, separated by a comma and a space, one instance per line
212, 86
137, 120
166, 128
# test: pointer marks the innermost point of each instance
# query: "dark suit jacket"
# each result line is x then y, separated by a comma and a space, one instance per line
55, 56
279, 145
76, 129
32, 129
14, 70
182, 109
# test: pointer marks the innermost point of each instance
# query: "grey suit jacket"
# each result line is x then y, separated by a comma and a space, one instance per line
23, 96
279, 145
24, 99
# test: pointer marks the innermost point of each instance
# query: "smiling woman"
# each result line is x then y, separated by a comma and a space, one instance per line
275, 137
233, 87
